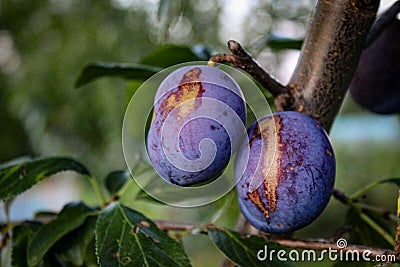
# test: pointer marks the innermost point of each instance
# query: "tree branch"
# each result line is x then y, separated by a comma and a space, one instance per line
243, 60
320, 244
329, 56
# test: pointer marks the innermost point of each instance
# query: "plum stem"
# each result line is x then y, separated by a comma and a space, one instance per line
240, 58
95, 185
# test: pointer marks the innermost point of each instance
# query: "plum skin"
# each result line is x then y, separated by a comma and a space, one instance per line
300, 182
194, 83
376, 82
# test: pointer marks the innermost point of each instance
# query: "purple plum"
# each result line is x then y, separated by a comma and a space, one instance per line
199, 114
376, 82
286, 178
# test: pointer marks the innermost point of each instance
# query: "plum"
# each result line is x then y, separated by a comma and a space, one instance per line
199, 114
376, 82
286, 179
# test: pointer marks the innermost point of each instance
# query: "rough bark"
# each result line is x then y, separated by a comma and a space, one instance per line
335, 39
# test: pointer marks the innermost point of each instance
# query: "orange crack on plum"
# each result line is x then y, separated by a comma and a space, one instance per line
270, 167
189, 92
256, 199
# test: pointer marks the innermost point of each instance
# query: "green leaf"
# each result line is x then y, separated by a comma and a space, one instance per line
74, 246
45, 214
276, 42
280, 43
18, 177
71, 217
115, 180
22, 234
90, 257
125, 237
123, 70
15, 161
395, 181
168, 55
243, 250
162, 57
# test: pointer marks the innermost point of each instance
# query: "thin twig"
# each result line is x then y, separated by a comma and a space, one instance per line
339, 195
397, 244
386, 214
326, 245
320, 244
340, 232
180, 226
243, 60
382, 22
97, 190
4, 238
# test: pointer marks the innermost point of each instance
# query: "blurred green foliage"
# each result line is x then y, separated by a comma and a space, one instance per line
44, 46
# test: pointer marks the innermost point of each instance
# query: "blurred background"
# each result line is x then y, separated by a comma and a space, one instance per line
45, 44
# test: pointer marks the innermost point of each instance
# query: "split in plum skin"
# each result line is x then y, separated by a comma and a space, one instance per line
296, 172
192, 107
